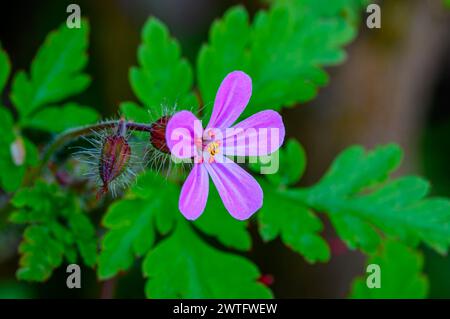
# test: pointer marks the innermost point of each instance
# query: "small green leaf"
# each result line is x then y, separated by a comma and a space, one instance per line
400, 274
84, 236
41, 253
5, 69
196, 270
58, 119
55, 72
56, 227
12, 173
163, 77
7, 135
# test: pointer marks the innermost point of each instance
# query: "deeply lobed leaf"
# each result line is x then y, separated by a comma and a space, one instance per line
56, 229
196, 270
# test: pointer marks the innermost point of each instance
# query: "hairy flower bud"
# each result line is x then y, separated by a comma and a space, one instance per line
114, 157
158, 134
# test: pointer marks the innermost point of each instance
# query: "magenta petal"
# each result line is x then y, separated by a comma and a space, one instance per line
260, 134
231, 99
239, 191
182, 129
194, 192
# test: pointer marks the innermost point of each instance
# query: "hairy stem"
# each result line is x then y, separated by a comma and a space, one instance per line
74, 133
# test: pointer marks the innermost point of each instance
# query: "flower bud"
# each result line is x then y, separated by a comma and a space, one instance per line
158, 134
115, 155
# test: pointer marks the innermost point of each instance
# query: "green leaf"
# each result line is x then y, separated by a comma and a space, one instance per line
131, 222
41, 253
131, 233
55, 72
356, 233
284, 50
58, 119
353, 193
163, 78
297, 225
12, 173
84, 236
196, 270
56, 229
281, 216
292, 164
227, 51
5, 69
216, 221
354, 170
447, 4
400, 273
7, 135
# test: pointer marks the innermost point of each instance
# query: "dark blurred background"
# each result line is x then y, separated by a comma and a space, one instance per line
394, 87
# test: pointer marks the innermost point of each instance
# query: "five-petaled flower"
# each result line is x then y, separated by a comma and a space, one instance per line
260, 134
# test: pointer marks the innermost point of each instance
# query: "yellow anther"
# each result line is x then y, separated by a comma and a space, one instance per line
213, 148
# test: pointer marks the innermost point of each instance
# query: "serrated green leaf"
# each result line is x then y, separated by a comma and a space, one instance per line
131, 233
400, 274
131, 223
294, 222
56, 229
84, 236
283, 51
41, 253
57, 119
55, 72
297, 226
5, 69
197, 270
163, 78
353, 192
216, 221
356, 233
354, 169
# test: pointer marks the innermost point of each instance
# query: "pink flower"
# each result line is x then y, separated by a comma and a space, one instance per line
260, 134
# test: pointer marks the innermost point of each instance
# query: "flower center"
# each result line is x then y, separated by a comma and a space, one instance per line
213, 148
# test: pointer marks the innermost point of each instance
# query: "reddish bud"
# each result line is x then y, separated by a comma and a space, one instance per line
158, 134
266, 280
115, 156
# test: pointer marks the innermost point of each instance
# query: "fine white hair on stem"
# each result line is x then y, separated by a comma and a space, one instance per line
91, 157
144, 153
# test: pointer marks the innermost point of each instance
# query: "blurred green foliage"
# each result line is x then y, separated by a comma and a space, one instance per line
400, 279
56, 229
55, 75
285, 50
